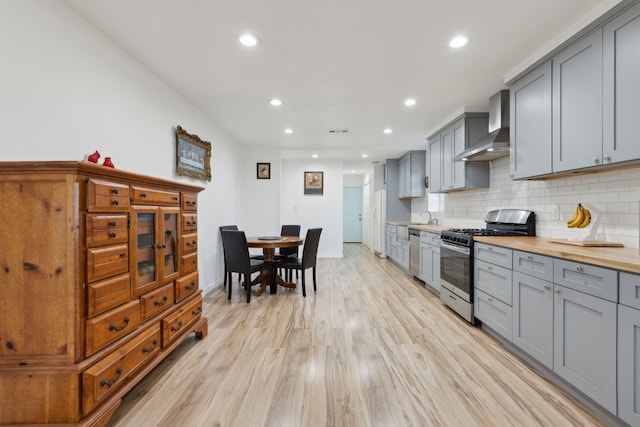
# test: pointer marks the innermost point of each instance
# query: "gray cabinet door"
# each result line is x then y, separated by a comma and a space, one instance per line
403, 172
577, 105
415, 177
458, 145
435, 262
533, 317
446, 141
621, 91
629, 364
530, 121
584, 344
435, 164
426, 266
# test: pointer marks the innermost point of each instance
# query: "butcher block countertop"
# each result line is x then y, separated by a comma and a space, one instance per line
626, 259
420, 226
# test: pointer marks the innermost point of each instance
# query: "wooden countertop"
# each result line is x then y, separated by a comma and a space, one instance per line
419, 226
626, 259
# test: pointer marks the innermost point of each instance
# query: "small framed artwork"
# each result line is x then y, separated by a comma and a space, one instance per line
263, 171
313, 182
193, 155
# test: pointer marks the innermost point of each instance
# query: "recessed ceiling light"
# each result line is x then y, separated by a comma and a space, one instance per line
275, 102
315, 156
288, 131
248, 40
458, 41
387, 131
410, 102
365, 156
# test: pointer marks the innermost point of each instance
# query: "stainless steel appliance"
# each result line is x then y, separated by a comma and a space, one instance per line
456, 255
414, 252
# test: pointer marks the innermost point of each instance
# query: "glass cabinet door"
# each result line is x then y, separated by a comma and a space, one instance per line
144, 227
168, 246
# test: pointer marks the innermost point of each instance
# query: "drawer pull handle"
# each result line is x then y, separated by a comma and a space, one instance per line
547, 287
490, 268
113, 327
143, 195
112, 223
190, 204
197, 311
177, 328
190, 287
191, 223
175, 198
114, 191
161, 303
109, 383
529, 257
192, 243
112, 235
115, 203
151, 349
557, 291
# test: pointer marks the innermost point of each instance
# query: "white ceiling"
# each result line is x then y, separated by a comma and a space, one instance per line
337, 64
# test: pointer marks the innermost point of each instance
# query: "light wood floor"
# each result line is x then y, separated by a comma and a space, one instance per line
371, 348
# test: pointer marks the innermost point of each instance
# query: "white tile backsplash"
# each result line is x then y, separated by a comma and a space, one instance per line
613, 198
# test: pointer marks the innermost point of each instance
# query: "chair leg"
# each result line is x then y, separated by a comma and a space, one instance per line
228, 287
314, 279
304, 289
247, 279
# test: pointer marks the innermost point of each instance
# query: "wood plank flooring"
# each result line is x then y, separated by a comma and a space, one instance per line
371, 348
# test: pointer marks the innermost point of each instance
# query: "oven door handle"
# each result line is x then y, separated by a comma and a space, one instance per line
456, 248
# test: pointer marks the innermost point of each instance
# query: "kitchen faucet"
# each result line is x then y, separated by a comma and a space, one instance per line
431, 220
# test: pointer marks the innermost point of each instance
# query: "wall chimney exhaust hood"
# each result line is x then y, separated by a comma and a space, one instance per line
496, 144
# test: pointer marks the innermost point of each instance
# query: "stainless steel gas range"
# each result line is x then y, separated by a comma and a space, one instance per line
456, 255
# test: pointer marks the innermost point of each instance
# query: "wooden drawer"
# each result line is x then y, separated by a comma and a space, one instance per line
107, 261
494, 313
149, 196
494, 280
106, 229
597, 281
189, 222
494, 254
110, 326
188, 263
535, 265
105, 377
188, 243
108, 293
155, 302
630, 289
189, 202
106, 196
186, 285
178, 322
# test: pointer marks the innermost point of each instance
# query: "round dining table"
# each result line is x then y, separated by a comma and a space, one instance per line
268, 244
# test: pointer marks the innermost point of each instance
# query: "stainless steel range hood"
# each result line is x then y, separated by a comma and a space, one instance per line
496, 144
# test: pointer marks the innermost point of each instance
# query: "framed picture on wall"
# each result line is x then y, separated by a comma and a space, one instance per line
263, 171
193, 155
313, 182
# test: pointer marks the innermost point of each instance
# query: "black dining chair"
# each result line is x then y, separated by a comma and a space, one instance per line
308, 260
236, 252
288, 230
227, 274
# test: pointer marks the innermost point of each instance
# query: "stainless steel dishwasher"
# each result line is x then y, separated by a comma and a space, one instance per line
414, 252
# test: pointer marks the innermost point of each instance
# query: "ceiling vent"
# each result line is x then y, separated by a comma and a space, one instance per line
343, 131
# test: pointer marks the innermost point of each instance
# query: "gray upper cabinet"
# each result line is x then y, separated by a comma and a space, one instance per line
621, 93
577, 105
530, 124
435, 164
411, 173
447, 144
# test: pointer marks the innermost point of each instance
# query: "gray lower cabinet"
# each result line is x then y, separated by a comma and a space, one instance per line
629, 349
621, 90
493, 288
577, 105
430, 259
533, 305
584, 344
530, 121
533, 317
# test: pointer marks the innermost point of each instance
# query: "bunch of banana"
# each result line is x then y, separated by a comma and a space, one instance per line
581, 219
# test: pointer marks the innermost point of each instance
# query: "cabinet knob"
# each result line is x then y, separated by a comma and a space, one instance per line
557, 291
595, 160
143, 195
114, 191
115, 203
112, 223
112, 235
579, 268
606, 158
547, 287
529, 257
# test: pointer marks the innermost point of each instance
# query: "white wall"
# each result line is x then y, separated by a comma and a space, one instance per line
65, 91
311, 211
